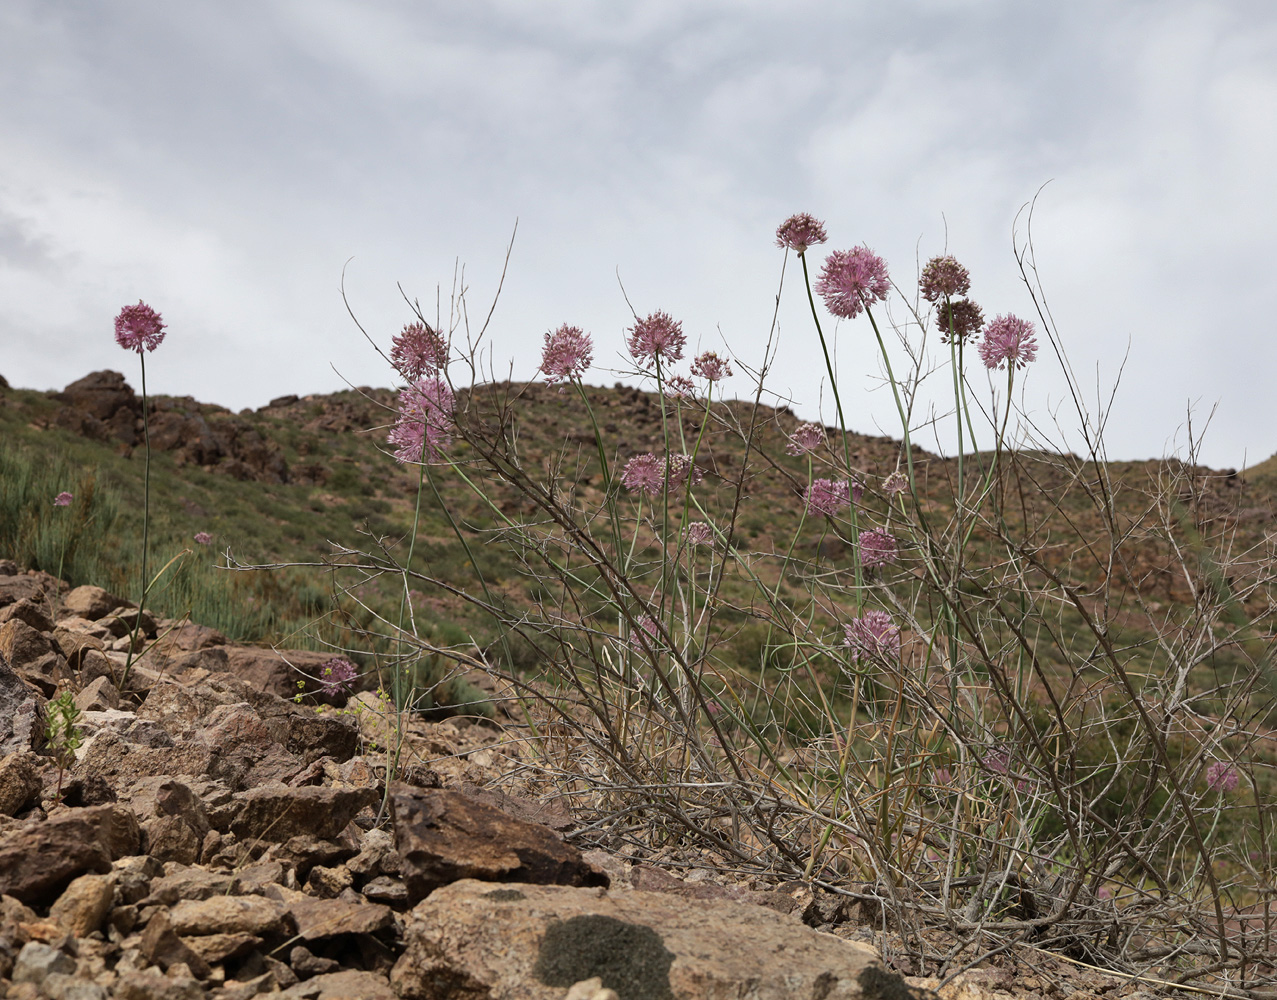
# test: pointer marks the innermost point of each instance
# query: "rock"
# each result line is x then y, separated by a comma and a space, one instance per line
59, 986
278, 813
36, 961
113, 758
384, 889
348, 985
151, 985
99, 695
324, 918
163, 947
21, 713
591, 989
306, 964
228, 915
99, 396
38, 859
279, 672
171, 838
32, 656
329, 883
181, 882
84, 904
533, 942
140, 732
443, 836
39, 588
75, 645
34, 613
217, 948
313, 737
20, 782
91, 602
122, 621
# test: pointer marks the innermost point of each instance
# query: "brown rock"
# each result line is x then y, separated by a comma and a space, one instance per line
217, 948
113, 758
99, 695
163, 947
384, 889
324, 918
74, 645
37, 859
278, 813
91, 602
32, 656
228, 915
34, 613
150, 985
279, 672
20, 782
329, 883
470, 939
181, 882
84, 904
21, 713
443, 835
171, 838
31, 586
347, 985
100, 395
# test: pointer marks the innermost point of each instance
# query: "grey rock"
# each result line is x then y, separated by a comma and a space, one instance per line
36, 961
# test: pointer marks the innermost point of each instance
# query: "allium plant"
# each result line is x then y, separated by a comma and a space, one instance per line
338, 676
567, 354
203, 538
63, 499
423, 422
711, 367
827, 497
872, 635
851, 280
657, 339
807, 438
878, 547
418, 352
944, 278
644, 474
799, 232
1008, 342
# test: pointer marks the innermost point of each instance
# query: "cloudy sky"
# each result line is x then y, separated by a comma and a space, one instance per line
224, 159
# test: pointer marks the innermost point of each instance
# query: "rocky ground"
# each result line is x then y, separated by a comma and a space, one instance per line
223, 829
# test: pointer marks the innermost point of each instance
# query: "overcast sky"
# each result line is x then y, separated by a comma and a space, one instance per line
224, 160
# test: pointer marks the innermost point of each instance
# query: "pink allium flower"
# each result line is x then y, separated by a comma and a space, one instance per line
942, 776
680, 387
643, 624
63, 499
644, 473
203, 538
943, 278
418, 351
139, 327
1221, 777
1008, 340
568, 352
424, 425
827, 496
657, 336
851, 280
807, 438
710, 366
895, 483
998, 761
700, 533
337, 675
872, 635
800, 231
958, 319
682, 466
878, 547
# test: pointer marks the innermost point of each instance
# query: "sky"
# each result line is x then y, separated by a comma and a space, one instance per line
233, 163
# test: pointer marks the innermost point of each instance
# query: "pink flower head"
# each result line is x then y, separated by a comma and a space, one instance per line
658, 336
958, 319
800, 231
139, 327
680, 387
337, 675
643, 625
1221, 777
943, 278
878, 547
645, 473
1008, 340
423, 428
851, 280
827, 496
942, 776
568, 352
700, 533
872, 635
895, 483
418, 351
203, 538
807, 438
710, 366
680, 467
63, 499
998, 761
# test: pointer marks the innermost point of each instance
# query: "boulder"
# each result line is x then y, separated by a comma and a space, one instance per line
472, 939
443, 835
38, 859
277, 813
21, 713
20, 782
91, 602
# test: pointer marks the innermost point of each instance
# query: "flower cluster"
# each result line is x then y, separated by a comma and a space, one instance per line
643, 624
807, 438
337, 675
139, 328
943, 278
567, 353
700, 533
203, 538
1221, 777
710, 366
63, 499
659, 336
851, 280
423, 428
1008, 340
800, 231
878, 547
872, 635
958, 320
827, 496
418, 351
649, 474
680, 468
895, 483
